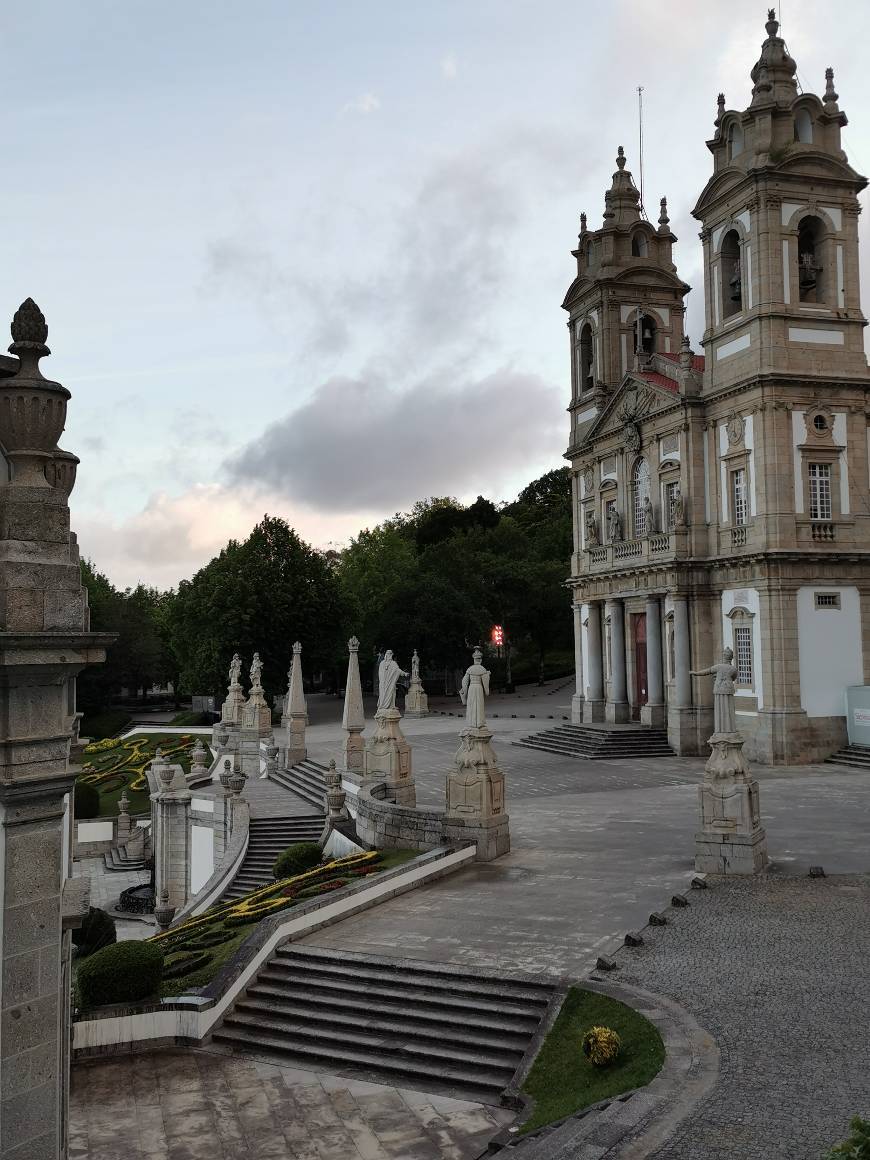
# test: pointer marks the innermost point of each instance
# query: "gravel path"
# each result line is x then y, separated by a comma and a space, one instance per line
777, 970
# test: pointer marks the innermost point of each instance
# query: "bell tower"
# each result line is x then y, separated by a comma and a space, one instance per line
626, 301
780, 233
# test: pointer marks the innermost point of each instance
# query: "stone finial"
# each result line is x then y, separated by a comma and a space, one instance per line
720, 109
164, 913
620, 158
29, 330
237, 781
772, 25
123, 803
664, 220
686, 354
582, 224
831, 95
353, 645
226, 773
297, 648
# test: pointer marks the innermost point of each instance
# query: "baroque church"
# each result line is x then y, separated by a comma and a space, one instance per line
721, 500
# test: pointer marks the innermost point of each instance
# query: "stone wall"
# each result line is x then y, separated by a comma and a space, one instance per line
383, 824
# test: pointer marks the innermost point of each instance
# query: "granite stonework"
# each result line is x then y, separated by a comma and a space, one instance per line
44, 643
714, 495
388, 758
353, 719
295, 715
416, 700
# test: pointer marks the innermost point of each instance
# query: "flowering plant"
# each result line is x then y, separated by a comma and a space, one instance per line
601, 1046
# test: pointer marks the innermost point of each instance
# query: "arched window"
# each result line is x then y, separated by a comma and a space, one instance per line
730, 274
803, 127
735, 140
585, 375
640, 493
811, 268
639, 246
647, 335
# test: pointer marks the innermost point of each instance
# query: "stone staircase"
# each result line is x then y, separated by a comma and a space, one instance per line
121, 859
411, 1024
306, 780
858, 756
600, 741
267, 838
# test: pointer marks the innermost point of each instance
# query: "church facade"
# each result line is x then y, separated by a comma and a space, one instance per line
723, 500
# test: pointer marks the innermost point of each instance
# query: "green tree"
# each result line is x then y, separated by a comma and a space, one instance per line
259, 595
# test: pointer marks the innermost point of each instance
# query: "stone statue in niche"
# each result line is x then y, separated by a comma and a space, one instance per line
678, 510
614, 526
725, 674
592, 539
649, 517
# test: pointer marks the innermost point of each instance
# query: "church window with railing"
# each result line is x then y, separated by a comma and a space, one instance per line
819, 475
640, 493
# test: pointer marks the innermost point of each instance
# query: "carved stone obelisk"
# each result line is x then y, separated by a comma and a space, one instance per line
416, 701
388, 754
44, 643
475, 784
731, 839
353, 719
295, 712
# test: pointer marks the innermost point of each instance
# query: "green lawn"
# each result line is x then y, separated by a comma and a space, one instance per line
562, 1079
123, 767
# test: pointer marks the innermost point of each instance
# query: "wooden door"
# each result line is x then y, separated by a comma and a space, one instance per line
640, 683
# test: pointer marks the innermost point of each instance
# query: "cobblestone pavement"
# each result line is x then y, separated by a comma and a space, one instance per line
777, 970
106, 887
191, 1105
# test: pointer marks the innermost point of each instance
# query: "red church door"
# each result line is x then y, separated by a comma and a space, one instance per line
640, 685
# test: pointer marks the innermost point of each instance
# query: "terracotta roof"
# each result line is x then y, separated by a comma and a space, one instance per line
697, 359
658, 380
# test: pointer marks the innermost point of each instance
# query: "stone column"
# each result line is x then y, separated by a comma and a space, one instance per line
297, 713
617, 710
593, 710
653, 712
682, 714
44, 644
579, 698
171, 833
353, 719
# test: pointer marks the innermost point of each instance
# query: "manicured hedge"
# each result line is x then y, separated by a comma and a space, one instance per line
125, 972
86, 800
297, 859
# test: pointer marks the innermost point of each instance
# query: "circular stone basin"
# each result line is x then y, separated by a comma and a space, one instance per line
137, 899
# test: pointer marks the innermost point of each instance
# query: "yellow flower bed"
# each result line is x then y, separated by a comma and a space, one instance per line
266, 899
102, 746
134, 757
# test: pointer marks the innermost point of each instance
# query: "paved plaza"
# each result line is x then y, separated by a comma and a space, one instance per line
194, 1105
773, 968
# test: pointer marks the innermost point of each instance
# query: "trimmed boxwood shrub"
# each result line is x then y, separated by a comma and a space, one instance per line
97, 931
122, 973
297, 859
185, 963
86, 800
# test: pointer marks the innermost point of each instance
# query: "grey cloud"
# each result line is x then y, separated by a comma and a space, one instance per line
358, 446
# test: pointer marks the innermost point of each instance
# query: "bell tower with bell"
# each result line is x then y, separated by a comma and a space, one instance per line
779, 223
626, 302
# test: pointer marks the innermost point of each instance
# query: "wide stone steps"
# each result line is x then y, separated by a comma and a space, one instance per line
268, 837
410, 1024
600, 742
858, 756
117, 859
306, 780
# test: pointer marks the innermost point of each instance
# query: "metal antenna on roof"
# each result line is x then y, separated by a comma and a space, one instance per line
640, 145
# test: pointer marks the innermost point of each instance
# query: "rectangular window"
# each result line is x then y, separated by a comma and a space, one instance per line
738, 495
827, 600
820, 491
743, 654
670, 504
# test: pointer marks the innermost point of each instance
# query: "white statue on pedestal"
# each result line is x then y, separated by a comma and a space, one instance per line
388, 677
235, 669
475, 688
256, 669
724, 717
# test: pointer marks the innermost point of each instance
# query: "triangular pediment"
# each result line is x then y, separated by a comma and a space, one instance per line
634, 401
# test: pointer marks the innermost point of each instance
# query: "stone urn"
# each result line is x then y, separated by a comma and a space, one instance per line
60, 471
164, 913
237, 781
32, 408
226, 773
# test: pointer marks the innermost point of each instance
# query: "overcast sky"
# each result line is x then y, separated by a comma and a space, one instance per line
308, 258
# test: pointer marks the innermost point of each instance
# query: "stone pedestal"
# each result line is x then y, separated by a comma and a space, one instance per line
416, 700
731, 839
256, 715
232, 708
248, 751
475, 797
170, 813
388, 758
